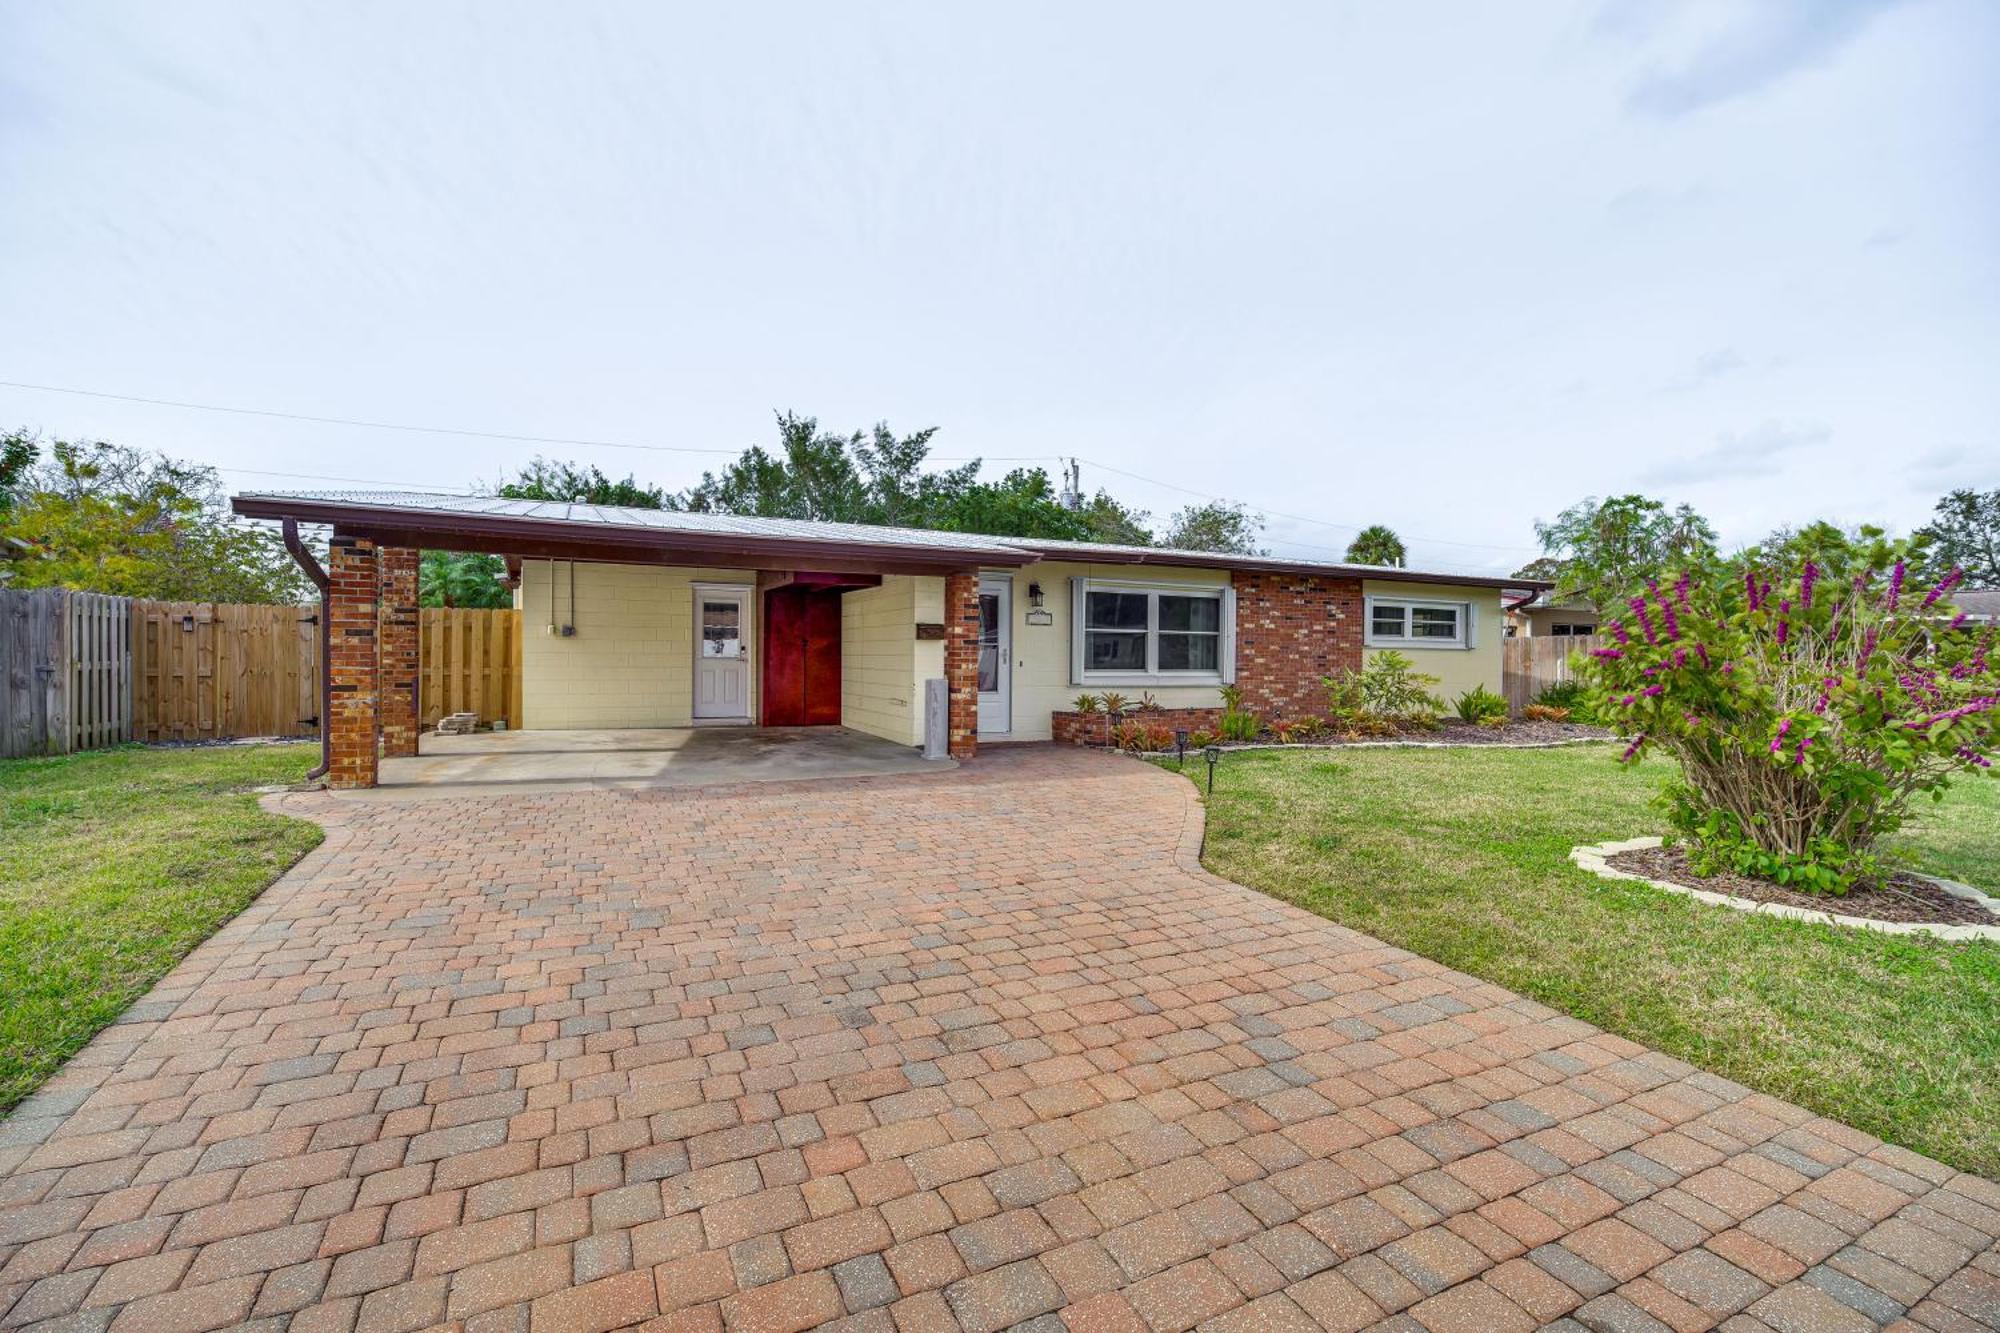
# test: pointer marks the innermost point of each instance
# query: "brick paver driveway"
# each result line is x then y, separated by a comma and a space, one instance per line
974, 1050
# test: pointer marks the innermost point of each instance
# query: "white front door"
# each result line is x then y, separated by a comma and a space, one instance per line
722, 652
996, 655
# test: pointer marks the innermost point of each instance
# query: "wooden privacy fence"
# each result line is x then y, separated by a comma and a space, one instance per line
1530, 665
471, 663
82, 670
214, 671
65, 671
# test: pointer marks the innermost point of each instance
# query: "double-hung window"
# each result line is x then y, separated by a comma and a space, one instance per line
1132, 634
1395, 622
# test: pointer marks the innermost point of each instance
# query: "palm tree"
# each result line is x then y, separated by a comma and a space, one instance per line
1376, 545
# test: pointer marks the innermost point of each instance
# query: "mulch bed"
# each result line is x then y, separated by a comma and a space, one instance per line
1455, 732
1898, 897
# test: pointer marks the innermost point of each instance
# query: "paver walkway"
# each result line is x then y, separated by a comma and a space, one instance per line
970, 1051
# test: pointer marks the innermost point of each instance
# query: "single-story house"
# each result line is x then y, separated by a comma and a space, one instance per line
655, 618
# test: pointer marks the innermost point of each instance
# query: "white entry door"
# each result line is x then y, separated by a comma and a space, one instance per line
722, 652
996, 655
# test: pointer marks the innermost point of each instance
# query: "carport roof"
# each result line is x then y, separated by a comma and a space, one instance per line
564, 530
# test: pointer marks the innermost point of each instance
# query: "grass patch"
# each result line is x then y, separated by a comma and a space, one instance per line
1462, 856
1958, 838
113, 865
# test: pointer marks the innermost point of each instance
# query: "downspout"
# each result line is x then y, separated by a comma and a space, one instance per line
306, 562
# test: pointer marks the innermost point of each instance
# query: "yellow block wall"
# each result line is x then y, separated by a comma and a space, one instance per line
1042, 655
883, 665
631, 661
1458, 669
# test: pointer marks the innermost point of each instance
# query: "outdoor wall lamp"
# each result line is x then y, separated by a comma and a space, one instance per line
1034, 594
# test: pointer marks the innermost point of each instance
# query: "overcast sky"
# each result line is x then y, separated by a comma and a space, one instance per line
1448, 267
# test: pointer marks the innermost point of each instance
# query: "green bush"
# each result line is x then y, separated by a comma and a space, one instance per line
1238, 723
1481, 705
1572, 696
1806, 712
1387, 688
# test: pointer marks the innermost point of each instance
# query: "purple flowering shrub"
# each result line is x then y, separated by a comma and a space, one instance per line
1806, 713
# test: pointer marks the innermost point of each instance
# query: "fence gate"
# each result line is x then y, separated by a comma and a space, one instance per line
210, 671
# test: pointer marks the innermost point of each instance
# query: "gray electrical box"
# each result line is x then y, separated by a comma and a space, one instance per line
937, 719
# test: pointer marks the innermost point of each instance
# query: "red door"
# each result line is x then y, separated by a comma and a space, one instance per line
801, 657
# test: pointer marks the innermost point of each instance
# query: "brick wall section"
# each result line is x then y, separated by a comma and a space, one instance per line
961, 661
398, 657
1073, 728
1292, 630
352, 624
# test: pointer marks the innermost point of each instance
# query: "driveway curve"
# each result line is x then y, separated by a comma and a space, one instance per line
977, 1050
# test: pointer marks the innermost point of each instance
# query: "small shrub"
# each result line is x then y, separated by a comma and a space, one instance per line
1239, 726
1481, 705
1087, 703
1114, 703
1203, 739
1388, 687
1302, 731
1147, 703
1805, 718
1142, 738
1572, 696
1545, 713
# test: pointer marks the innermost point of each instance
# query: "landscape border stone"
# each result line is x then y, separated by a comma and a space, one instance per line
1596, 860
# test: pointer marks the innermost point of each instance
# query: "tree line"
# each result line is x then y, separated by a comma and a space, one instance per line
106, 517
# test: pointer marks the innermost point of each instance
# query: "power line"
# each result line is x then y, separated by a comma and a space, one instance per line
574, 442
565, 441
425, 486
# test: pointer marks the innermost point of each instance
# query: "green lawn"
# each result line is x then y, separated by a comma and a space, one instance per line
113, 865
1461, 856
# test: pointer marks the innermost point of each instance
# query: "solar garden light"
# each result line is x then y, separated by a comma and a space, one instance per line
1180, 747
1212, 753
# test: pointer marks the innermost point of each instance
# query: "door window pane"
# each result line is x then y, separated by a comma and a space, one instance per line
721, 629
989, 642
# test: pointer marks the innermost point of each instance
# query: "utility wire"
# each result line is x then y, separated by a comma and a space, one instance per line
575, 442
436, 430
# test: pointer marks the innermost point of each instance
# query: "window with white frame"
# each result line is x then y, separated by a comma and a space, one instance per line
1395, 622
1133, 634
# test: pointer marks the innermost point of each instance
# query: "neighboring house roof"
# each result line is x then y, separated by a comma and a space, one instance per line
540, 528
1978, 603
1533, 599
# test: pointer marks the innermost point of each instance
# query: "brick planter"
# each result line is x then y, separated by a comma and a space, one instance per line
1073, 728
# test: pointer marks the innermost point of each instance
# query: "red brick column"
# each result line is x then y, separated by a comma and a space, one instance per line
399, 650
961, 661
1293, 631
352, 624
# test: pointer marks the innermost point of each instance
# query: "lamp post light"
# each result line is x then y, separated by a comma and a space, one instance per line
1180, 747
1213, 754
